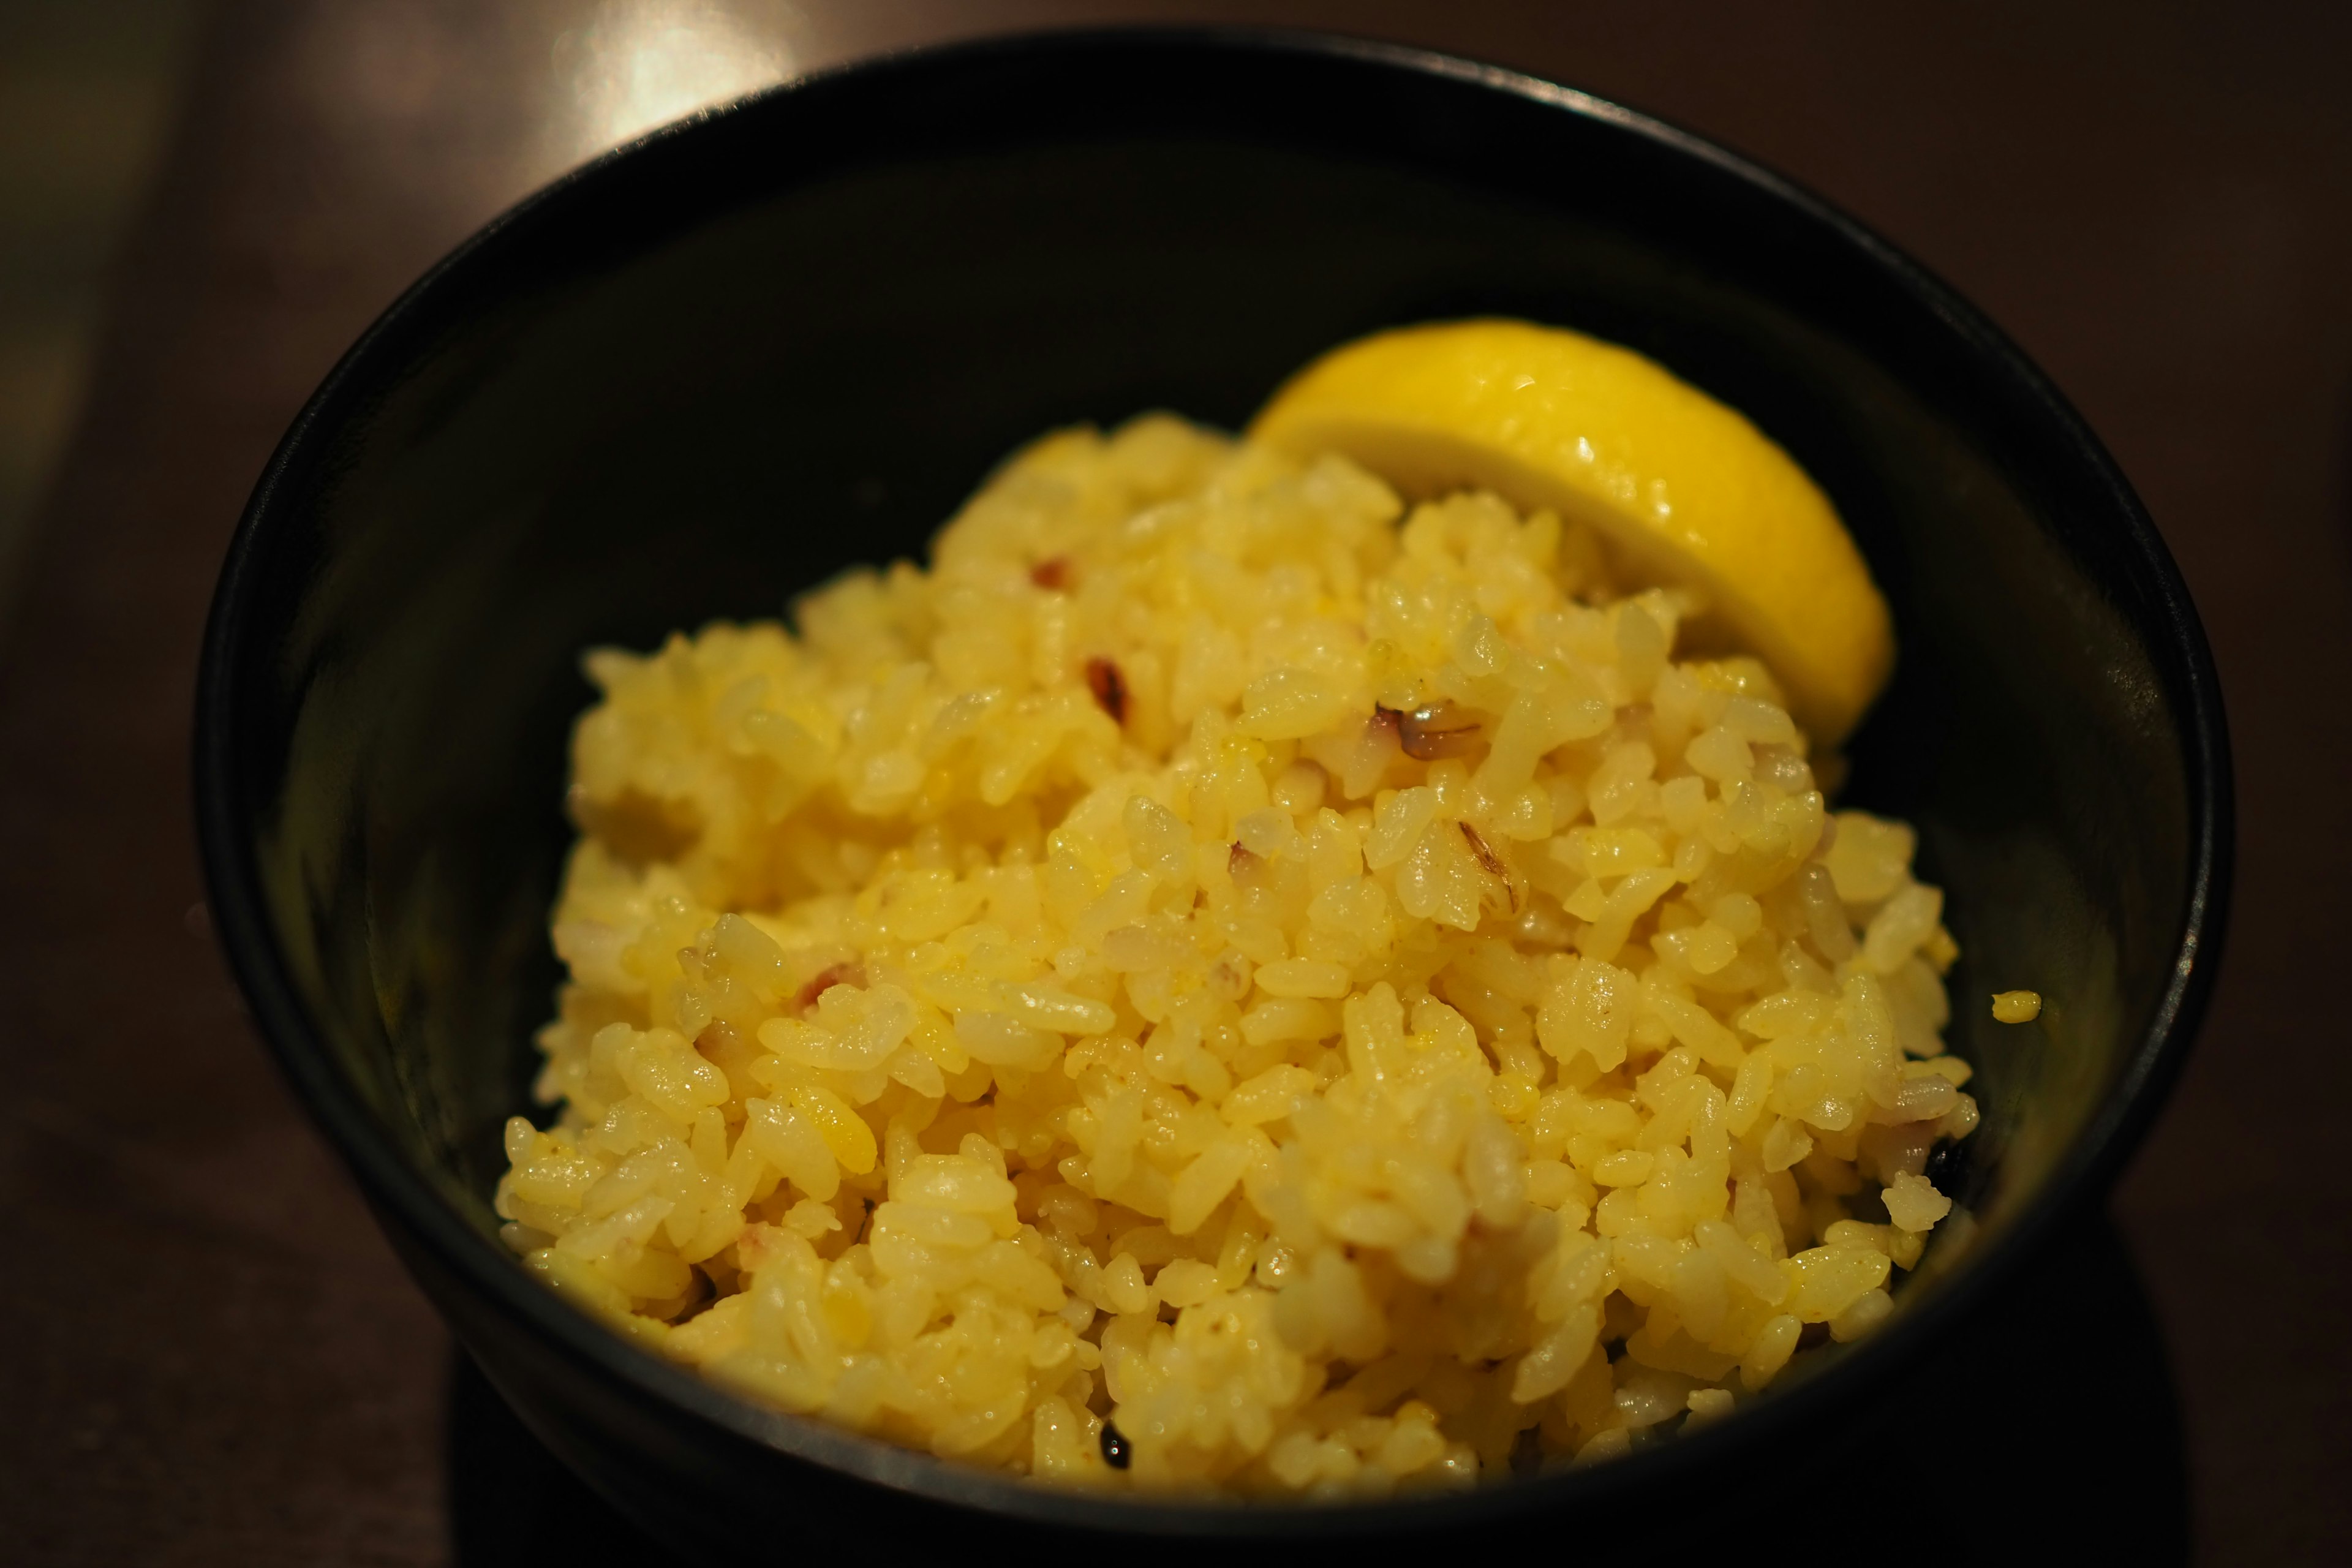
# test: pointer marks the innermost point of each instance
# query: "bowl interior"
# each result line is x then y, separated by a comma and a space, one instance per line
714, 373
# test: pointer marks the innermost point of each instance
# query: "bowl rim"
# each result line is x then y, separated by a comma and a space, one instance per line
399, 1191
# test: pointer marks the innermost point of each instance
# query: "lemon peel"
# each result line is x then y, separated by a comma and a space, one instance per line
1683, 488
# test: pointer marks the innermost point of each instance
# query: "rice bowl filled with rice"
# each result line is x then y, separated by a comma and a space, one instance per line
1232, 980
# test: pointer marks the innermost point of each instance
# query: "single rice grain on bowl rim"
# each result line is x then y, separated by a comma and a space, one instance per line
1232, 981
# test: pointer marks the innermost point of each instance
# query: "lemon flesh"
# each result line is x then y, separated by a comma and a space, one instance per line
1684, 489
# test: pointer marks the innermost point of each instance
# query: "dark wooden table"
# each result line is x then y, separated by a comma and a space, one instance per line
206, 1354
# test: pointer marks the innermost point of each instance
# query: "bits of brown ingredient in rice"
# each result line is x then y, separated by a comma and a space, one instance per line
1493, 864
1051, 573
1486, 856
1226, 979
828, 977
1440, 729
1109, 687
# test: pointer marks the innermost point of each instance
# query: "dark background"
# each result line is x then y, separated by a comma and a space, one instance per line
206, 1354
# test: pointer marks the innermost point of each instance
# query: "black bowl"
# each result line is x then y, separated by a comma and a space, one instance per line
713, 369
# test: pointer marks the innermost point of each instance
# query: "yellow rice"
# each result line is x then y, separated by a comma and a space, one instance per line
1318, 988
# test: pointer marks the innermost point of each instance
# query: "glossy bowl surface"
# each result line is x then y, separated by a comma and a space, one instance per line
713, 369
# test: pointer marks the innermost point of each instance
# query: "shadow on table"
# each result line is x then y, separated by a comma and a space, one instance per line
2053, 1411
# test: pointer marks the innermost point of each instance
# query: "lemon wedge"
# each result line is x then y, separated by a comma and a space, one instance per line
1684, 489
